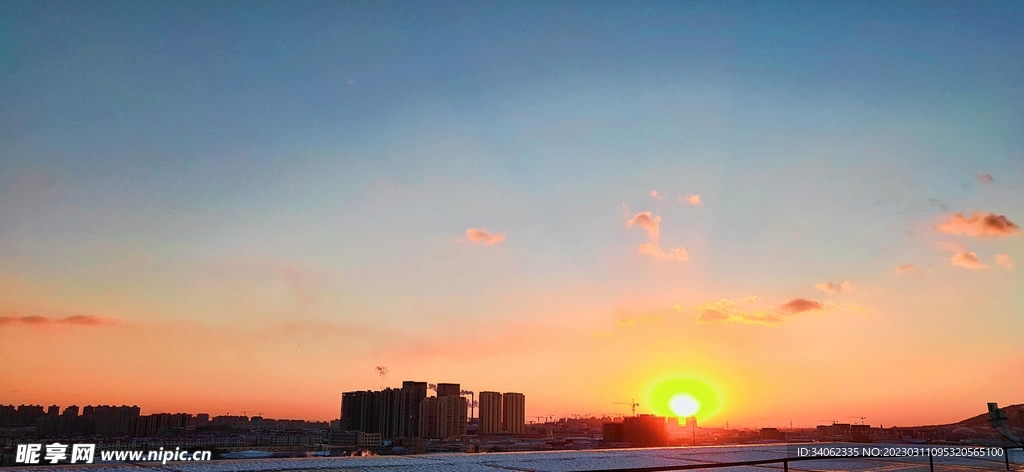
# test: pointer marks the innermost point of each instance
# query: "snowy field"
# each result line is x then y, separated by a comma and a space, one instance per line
557, 461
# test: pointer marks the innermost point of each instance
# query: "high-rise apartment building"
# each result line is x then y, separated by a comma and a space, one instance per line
443, 418
448, 390
429, 412
513, 412
413, 393
378, 412
490, 412
452, 416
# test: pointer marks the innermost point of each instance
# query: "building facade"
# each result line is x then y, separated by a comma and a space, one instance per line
490, 413
513, 412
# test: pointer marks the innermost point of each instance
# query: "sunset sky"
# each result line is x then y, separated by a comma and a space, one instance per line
217, 207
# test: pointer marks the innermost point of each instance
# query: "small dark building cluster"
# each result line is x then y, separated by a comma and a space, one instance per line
401, 416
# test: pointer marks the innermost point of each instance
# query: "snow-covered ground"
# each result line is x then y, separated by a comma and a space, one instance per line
557, 461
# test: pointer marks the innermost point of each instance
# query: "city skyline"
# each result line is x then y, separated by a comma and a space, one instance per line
764, 212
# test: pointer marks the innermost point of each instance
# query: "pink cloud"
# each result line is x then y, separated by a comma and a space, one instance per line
801, 305
1005, 261
484, 237
967, 260
654, 194
829, 287
905, 268
36, 320
646, 221
725, 310
677, 254
693, 199
983, 225
985, 179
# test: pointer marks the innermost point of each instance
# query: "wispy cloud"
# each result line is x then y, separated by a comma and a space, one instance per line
648, 222
750, 299
985, 179
36, 320
655, 195
978, 224
967, 260
1005, 261
675, 254
829, 287
692, 199
728, 311
905, 268
483, 237
725, 310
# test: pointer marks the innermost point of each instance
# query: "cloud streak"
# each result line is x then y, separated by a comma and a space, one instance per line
728, 311
978, 224
36, 320
483, 237
693, 199
798, 305
724, 310
903, 269
1005, 261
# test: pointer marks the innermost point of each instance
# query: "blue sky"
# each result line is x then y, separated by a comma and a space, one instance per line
214, 163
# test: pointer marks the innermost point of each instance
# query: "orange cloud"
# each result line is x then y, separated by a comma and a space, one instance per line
654, 194
829, 287
967, 260
482, 236
648, 222
983, 225
801, 305
905, 268
985, 179
1005, 261
725, 310
36, 320
677, 253
693, 199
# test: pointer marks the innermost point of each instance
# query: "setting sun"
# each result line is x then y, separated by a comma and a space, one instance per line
685, 397
684, 405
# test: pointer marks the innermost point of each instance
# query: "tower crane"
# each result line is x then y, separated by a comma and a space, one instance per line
632, 404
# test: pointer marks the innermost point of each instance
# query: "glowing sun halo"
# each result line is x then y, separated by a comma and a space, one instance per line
684, 404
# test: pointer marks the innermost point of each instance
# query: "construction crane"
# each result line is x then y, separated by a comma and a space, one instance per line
632, 404
862, 418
